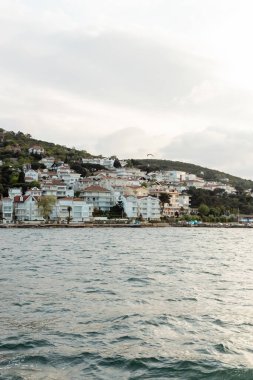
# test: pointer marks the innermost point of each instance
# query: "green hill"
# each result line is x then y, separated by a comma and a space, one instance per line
205, 173
14, 154
15, 146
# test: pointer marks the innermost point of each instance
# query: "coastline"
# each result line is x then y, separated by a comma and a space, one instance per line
123, 225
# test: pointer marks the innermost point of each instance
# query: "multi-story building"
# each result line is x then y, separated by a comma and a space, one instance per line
130, 204
184, 201
98, 196
145, 207
108, 163
149, 208
68, 176
7, 210
26, 208
75, 208
57, 188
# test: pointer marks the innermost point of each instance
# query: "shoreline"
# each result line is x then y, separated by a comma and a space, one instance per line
122, 225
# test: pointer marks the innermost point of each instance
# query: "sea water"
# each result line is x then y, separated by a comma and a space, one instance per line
155, 303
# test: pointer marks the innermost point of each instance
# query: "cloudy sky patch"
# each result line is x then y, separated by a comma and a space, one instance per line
171, 78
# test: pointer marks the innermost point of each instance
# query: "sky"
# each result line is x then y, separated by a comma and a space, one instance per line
172, 78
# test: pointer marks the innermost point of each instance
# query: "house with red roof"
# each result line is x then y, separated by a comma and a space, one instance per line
98, 196
25, 208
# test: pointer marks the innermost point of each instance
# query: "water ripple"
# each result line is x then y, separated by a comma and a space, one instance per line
126, 304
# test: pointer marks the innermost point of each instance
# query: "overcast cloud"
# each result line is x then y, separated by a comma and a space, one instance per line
171, 78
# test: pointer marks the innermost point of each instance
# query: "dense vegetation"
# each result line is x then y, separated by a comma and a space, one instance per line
221, 203
23, 141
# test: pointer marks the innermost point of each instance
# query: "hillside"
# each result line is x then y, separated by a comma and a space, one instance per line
16, 145
206, 173
14, 152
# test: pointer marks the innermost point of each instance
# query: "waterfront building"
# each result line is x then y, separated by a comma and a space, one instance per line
98, 196
145, 207
75, 208
7, 209
25, 208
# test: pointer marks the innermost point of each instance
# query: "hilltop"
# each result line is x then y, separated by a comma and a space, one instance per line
16, 145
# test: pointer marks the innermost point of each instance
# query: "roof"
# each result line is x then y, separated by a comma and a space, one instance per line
97, 189
135, 187
53, 182
20, 198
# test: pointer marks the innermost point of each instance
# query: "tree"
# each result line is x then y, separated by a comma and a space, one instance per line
45, 205
34, 184
117, 211
203, 210
164, 198
21, 177
215, 211
98, 213
79, 168
117, 163
36, 165
69, 208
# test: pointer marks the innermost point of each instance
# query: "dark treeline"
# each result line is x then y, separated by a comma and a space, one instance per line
221, 203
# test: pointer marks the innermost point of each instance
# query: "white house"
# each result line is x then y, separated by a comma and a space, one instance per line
149, 208
130, 204
47, 174
34, 191
7, 210
184, 201
68, 176
146, 207
198, 183
31, 175
175, 176
57, 188
36, 149
108, 163
47, 161
12, 192
76, 208
26, 208
98, 196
